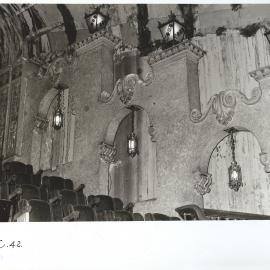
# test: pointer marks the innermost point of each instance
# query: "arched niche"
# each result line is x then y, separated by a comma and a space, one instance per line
51, 148
254, 196
142, 168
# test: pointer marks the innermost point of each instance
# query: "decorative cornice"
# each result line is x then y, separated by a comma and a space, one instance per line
260, 73
94, 37
107, 153
223, 105
185, 45
204, 181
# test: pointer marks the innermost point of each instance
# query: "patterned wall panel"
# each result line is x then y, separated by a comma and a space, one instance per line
4, 79
15, 89
3, 111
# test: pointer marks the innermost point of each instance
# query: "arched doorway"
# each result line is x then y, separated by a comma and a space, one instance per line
51, 148
132, 179
254, 196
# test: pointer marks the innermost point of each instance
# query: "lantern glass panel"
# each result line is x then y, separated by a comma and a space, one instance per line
96, 21
58, 119
235, 176
132, 144
172, 31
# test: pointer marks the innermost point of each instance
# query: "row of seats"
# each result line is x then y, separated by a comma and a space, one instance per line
30, 197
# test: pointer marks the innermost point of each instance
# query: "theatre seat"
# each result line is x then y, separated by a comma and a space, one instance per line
86, 213
122, 216
5, 210
156, 217
137, 217
117, 204
33, 211
55, 184
16, 173
101, 202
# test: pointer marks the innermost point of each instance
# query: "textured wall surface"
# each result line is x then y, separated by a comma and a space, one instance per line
229, 59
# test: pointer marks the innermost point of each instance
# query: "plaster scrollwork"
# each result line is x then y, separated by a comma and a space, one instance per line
204, 181
41, 123
125, 87
223, 105
265, 161
107, 153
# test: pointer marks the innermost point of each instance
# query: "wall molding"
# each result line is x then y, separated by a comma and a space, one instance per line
160, 55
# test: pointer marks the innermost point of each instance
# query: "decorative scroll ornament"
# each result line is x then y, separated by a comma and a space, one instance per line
264, 159
203, 183
107, 153
125, 87
41, 122
223, 105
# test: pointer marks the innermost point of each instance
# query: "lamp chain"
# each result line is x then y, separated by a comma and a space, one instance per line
233, 146
132, 121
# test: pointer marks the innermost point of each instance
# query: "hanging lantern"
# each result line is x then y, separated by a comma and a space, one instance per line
96, 21
58, 116
132, 138
172, 31
235, 173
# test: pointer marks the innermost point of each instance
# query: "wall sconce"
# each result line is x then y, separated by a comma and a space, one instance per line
58, 116
132, 145
172, 31
235, 173
96, 20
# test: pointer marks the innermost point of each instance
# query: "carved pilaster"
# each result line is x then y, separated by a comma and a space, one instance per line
204, 181
107, 153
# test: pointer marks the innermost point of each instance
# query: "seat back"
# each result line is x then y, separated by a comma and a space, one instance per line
123, 216
30, 192
117, 204
5, 210
17, 173
86, 213
40, 211
137, 217
68, 198
103, 202
55, 184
